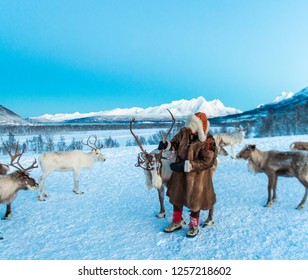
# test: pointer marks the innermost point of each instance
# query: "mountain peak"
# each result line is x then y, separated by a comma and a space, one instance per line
283, 96
8, 117
179, 108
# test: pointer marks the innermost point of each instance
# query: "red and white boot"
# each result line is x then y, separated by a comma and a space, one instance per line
193, 227
177, 222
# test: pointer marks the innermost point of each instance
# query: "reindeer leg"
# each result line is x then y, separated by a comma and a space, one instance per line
303, 202
8, 212
209, 221
76, 182
42, 188
232, 151
161, 196
271, 180
274, 198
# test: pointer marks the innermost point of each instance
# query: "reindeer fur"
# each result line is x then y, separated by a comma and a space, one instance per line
12, 183
275, 164
299, 146
229, 139
66, 161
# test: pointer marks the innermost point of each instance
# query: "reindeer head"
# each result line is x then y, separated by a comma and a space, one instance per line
95, 148
246, 152
151, 162
27, 182
22, 174
242, 131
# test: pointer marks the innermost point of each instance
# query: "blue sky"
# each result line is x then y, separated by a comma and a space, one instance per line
88, 56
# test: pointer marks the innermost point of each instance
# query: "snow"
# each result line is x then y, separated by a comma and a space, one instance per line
62, 117
283, 96
179, 108
115, 217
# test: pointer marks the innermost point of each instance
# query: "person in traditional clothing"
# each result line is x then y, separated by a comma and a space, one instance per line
191, 182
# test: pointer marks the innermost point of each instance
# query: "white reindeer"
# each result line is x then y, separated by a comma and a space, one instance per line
68, 161
229, 139
19, 180
156, 166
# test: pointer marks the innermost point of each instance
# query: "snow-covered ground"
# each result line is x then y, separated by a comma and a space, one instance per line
115, 217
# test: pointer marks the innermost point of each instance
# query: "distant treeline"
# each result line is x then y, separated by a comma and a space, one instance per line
46, 143
290, 121
63, 128
272, 123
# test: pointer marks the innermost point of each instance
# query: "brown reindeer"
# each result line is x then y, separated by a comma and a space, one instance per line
277, 163
299, 146
19, 180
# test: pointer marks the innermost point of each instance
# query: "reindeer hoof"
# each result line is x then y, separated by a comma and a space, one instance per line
161, 215
268, 205
6, 217
207, 223
300, 207
41, 199
78, 192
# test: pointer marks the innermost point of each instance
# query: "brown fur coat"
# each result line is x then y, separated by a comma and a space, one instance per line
195, 188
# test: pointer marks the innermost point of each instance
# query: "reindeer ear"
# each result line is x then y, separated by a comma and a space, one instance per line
18, 174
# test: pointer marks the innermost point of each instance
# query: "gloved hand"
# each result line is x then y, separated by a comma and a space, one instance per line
177, 166
187, 166
162, 145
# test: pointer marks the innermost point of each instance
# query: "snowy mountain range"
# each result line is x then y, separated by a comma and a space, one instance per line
283, 104
283, 96
179, 109
287, 114
7, 117
295, 106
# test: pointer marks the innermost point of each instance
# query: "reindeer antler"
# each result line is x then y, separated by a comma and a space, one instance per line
141, 160
173, 121
89, 143
136, 137
17, 156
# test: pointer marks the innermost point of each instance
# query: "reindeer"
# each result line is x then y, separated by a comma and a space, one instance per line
19, 180
229, 139
69, 161
157, 171
277, 163
156, 166
4, 168
299, 146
